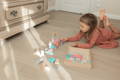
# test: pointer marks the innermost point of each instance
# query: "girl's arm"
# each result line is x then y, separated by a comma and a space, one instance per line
91, 42
114, 29
74, 38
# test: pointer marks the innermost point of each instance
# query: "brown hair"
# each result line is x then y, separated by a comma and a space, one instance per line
101, 24
90, 20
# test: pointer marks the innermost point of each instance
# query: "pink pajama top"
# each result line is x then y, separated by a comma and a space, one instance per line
101, 37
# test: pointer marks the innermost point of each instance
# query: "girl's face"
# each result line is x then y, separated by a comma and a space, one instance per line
84, 27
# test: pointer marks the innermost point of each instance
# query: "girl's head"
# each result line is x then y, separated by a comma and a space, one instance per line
88, 23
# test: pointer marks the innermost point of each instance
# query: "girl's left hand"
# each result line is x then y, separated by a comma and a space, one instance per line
75, 45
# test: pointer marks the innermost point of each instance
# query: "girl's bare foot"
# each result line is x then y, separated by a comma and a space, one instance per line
102, 13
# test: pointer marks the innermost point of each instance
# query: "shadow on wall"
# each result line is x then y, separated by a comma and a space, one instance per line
51, 4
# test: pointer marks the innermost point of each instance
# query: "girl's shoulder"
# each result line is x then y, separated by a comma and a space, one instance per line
96, 32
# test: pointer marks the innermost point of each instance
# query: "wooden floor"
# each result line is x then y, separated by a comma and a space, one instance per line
17, 61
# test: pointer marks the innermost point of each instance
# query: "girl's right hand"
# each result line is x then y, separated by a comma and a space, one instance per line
64, 39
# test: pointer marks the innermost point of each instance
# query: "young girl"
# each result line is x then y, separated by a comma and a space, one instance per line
102, 35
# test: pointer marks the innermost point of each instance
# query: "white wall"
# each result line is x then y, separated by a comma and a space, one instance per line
58, 4
51, 4
54, 4
112, 7
78, 6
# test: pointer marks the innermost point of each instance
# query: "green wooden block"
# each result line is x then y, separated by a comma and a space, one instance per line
68, 56
51, 60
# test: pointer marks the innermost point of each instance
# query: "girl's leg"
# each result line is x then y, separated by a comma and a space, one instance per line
115, 30
115, 35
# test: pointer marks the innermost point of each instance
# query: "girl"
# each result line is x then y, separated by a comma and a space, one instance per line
102, 35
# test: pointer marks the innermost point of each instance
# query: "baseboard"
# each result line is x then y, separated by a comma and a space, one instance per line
111, 16
51, 9
117, 17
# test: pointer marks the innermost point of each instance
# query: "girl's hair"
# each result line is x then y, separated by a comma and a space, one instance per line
101, 24
90, 20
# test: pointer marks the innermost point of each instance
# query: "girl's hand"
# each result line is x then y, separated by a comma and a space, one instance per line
57, 43
64, 39
75, 45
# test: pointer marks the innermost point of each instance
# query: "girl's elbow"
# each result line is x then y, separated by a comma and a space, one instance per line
86, 46
89, 46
